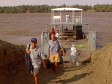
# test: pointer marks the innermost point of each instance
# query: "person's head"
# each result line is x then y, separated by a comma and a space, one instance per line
73, 45
34, 42
53, 37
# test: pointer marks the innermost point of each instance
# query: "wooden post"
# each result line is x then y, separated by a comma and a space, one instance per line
92, 41
44, 41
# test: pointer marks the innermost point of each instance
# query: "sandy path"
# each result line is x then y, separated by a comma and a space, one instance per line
65, 75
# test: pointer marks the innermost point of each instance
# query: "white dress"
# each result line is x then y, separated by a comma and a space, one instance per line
73, 51
73, 56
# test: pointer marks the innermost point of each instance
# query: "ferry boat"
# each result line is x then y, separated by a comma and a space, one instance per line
67, 22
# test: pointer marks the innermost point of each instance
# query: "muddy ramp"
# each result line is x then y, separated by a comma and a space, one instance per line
12, 65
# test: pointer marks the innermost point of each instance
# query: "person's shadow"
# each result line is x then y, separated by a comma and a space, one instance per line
74, 78
47, 76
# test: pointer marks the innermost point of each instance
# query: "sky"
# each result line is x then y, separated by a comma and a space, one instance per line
53, 2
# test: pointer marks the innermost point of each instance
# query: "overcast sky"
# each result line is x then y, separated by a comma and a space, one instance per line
52, 2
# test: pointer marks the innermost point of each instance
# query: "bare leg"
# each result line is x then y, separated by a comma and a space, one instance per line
36, 79
56, 64
53, 67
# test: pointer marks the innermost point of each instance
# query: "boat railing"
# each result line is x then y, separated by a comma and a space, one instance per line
63, 20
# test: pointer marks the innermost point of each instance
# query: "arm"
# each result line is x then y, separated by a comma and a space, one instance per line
41, 54
48, 53
43, 63
28, 49
78, 52
63, 51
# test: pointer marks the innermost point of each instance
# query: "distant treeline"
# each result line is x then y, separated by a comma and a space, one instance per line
103, 8
46, 8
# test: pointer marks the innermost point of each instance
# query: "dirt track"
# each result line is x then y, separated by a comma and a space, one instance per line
97, 72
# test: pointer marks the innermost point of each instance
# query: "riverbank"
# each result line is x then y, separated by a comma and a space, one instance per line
13, 69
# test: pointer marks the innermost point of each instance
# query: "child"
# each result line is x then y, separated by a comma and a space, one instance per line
73, 56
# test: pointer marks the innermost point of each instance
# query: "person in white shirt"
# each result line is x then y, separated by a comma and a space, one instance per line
67, 18
57, 35
73, 56
36, 58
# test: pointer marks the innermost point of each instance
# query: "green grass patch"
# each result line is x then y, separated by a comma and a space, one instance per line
81, 46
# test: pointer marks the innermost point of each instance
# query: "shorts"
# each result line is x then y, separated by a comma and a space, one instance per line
55, 58
36, 71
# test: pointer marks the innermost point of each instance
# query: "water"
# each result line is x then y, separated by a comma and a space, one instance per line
20, 28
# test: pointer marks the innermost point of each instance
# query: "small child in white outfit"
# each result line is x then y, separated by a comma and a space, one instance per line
73, 56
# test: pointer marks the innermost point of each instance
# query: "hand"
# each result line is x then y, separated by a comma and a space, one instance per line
44, 66
48, 56
64, 54
28, 52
